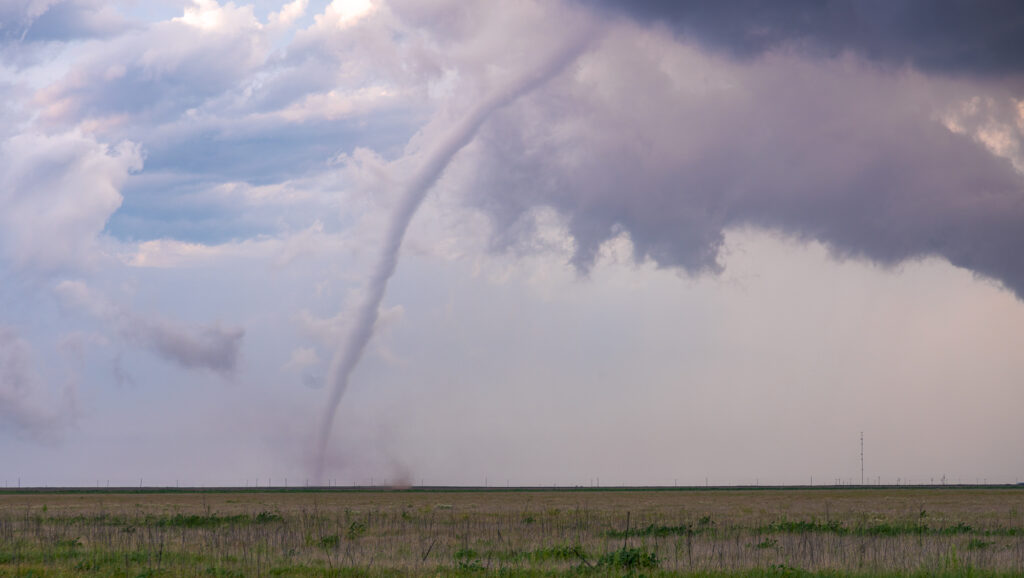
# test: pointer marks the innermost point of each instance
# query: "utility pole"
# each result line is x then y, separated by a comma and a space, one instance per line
862, 458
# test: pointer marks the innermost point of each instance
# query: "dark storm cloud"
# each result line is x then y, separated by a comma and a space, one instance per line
675, 154
959, 36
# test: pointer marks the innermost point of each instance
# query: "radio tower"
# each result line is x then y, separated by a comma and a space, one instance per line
862, 458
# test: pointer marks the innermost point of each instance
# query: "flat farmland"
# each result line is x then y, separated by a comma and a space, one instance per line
346, 532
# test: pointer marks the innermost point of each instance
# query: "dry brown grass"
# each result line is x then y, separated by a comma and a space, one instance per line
252, 532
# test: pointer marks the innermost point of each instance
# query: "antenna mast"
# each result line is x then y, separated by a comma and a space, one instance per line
862, 458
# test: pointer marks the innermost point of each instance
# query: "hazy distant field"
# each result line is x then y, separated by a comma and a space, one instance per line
836, 532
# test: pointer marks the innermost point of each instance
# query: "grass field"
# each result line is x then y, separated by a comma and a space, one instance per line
692, 532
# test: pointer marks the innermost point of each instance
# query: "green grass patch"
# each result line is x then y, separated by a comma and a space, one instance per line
803, 526
209, 520
653, 530
629, 559
881, 529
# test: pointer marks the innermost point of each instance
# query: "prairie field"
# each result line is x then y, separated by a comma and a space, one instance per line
615, 532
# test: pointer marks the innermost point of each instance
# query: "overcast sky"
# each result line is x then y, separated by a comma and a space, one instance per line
650, 242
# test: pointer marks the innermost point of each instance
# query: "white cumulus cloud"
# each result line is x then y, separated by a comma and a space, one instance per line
56, 194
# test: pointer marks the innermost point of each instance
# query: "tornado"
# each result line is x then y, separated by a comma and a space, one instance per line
434, 163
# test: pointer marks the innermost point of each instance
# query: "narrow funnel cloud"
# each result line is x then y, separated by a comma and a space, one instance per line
434, 164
